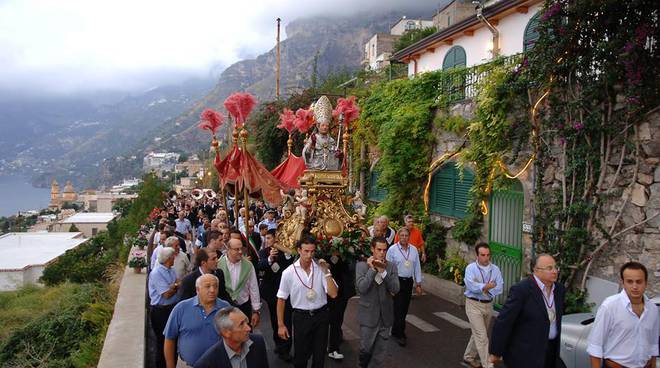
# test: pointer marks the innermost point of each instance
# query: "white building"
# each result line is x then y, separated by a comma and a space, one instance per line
470, 42
89, 223
125, 185
94, 201
161, 161
378, 49
23, 256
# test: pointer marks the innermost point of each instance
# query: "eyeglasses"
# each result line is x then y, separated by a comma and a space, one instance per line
548, 268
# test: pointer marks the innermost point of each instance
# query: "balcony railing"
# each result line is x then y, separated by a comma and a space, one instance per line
463, 83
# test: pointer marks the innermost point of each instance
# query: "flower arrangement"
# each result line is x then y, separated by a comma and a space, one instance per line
351, 245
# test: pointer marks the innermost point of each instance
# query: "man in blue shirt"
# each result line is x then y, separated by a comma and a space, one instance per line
163, 286
483, 282
409, 269
269, 220
190, 330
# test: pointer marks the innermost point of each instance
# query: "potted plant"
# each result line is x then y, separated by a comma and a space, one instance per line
138, 260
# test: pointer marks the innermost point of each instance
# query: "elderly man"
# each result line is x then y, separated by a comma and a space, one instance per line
625, 332
416, 238
241, 281
190, 330
237, 347
528, 329
163, 286
164, 233
181, 261
183, 225
381, 228
409, 269
377, 282
206, 261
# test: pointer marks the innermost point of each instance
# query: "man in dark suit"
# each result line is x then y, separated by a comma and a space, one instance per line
271, 263
206, 260
528, 329
377, 281
237, 344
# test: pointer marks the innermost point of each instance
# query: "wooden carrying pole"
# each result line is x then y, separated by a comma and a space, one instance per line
277, 72
244, 135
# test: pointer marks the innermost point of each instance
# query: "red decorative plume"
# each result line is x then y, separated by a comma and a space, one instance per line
304, 120
211, 120
239, 106
347, 107
288, 119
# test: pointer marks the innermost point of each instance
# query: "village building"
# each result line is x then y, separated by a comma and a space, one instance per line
89, 223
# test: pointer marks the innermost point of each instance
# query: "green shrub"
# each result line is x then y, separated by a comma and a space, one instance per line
435, 242
453, 268
69, 334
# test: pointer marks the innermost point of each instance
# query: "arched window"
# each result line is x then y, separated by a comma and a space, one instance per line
449, 194
531, 32
455, 57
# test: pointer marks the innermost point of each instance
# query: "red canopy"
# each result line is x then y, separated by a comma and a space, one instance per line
290, 170
241, 168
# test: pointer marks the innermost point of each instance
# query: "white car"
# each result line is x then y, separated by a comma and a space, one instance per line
575, 330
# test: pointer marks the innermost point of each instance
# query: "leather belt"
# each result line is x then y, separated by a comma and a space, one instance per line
311, 312
479, 300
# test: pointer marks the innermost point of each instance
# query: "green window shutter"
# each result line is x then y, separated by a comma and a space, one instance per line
442, 188
376, 192
462, 193
455, 57
531, 32
449, 194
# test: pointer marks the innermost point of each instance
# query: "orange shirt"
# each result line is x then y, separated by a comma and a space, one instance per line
415, 239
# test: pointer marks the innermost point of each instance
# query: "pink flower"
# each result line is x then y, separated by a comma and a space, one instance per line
288, 121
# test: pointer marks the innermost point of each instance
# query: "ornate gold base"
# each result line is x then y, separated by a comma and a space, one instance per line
326, 215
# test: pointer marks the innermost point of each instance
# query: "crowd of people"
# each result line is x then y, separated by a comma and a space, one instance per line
212, 271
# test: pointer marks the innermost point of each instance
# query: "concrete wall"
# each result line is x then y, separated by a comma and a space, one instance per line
15, 279
88, 229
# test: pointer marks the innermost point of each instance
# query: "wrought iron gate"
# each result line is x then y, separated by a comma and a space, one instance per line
505, 235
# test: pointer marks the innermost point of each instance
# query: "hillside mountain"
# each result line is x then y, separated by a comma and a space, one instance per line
337, 44
69, 137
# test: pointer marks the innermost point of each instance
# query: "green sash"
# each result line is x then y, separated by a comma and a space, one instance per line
246, 268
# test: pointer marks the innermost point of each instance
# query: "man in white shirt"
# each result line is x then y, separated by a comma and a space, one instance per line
483, 282
241, 281
625, 332
181, 262
308, 285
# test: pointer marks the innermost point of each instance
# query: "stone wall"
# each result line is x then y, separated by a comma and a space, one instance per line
641, 199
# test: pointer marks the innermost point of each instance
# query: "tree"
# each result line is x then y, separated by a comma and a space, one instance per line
73, 229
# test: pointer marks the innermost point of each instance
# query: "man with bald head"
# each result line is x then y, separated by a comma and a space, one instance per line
190, 330
528, 329
241, 280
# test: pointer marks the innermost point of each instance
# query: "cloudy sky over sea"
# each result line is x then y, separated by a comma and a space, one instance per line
78, 45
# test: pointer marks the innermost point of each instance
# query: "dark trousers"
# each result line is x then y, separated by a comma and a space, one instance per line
310, 334
246, 308
281, 346
551, 352
401, 304
336, 308
159, 315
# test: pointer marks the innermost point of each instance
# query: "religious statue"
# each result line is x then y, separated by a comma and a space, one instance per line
302, 204
321, 151
287, 202
358, 205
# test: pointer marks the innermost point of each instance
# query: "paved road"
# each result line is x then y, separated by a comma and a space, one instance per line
434, 336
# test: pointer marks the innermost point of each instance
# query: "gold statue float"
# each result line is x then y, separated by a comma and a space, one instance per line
320, 209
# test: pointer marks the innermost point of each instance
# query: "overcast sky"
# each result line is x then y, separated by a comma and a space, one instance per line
74, 45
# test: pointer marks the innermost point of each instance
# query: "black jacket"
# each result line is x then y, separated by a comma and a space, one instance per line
216, 356
520, 332
270, 281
